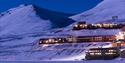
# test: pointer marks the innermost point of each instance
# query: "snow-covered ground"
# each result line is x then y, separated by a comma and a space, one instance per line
26, 48
31, 51
21, 28
92, 61
103, 11
84, 61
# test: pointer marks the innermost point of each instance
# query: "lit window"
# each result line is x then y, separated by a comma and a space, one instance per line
46, 41
40, 42
98, 38
76, 25
99, 25
81, 25
98, 53
109, 53
56, 41
92, 54
111, 50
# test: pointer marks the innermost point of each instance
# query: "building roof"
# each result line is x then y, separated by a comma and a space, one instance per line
95, 32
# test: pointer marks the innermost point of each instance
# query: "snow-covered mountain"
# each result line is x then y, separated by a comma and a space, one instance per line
18, 22
22, 20
103, 11
30, 19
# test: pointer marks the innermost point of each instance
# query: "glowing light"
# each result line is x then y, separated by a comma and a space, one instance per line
81, 25
91, 53
60, 39
99, 25
109, 53
56, 41
40, 42
45, 45
120, 35
46, 41
111, 50
50, 40
76, 25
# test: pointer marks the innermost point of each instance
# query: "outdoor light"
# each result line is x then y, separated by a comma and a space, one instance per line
111, 50
120, 35
99, 25
81, 25
50, 40
46, 41
76, 25
56, 41
92, 54
40, 42
60, 39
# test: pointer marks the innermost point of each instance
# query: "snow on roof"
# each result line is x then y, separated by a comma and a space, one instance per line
113, 21
56, 36
95, 32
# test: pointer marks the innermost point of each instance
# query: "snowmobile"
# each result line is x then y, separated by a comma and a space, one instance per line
102, 53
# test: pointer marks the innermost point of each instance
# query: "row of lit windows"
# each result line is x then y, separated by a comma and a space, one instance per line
102, 53
96, 38
102, 50
75, 39
97, 25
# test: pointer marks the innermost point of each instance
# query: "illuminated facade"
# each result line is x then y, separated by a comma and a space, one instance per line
80, 26
102, 53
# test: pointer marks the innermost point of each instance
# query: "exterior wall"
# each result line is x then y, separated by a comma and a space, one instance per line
118, 44
123, 29
109, 38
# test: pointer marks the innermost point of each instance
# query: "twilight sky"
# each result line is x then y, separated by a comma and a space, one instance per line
66, 6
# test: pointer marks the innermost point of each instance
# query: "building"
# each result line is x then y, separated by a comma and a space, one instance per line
80, 26
97, 35
102, 53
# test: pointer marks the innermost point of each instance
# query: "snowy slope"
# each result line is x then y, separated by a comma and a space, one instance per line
22, 20
103, 11
20, 47
27, 49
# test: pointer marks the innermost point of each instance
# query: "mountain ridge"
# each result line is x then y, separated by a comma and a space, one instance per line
103, 11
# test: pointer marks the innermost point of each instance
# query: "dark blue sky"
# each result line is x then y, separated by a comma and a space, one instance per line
66, 6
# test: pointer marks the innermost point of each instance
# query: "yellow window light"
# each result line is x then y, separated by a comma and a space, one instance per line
92, 53
76, 25
120, 35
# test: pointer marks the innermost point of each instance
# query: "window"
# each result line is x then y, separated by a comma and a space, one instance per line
98, 38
